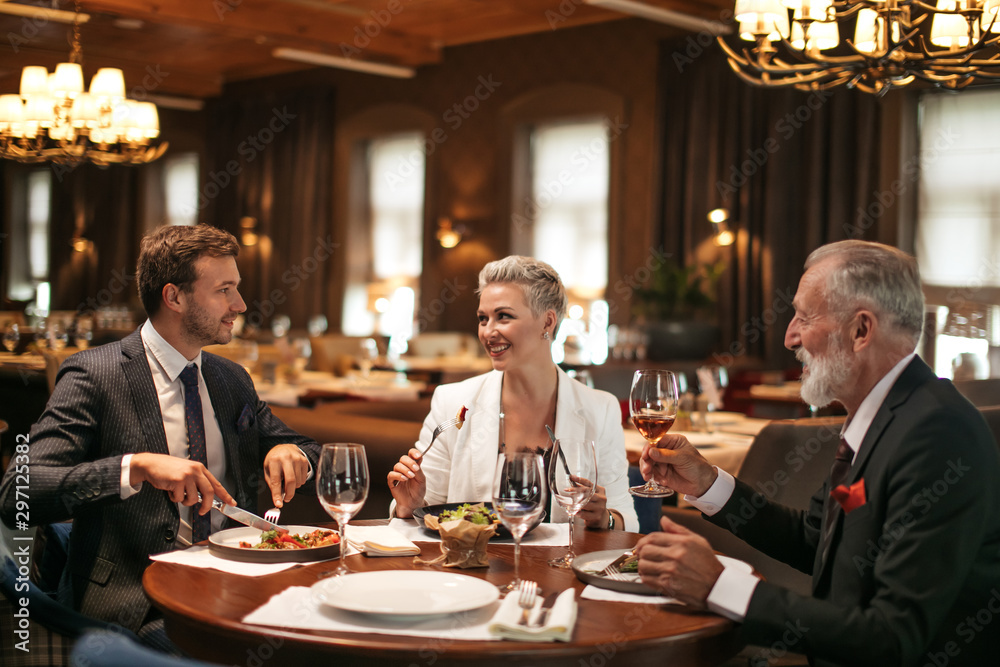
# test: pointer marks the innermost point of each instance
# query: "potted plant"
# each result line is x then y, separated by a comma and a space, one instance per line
676, 308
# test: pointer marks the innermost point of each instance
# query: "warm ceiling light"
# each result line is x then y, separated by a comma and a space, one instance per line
660, 15
892, 46
719, 217
54, 119
326, 60
447, 235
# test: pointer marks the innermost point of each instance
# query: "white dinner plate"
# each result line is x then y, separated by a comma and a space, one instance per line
587, 568
406, 593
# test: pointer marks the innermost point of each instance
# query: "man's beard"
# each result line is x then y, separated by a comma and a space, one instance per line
201, 328
828, 374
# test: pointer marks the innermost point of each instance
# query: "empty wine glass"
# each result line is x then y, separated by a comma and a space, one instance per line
280, 324
42, 334
713, 381
367, 355
58, 337
84, 334
518, 499
652, 403
11, 336
572, 478
342, 488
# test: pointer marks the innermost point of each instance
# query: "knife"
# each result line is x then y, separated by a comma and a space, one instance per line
247, 518
562, 457
545, 610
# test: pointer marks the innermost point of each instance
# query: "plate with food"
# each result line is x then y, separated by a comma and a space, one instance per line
302, 543
588, 567
406, 594
475, 512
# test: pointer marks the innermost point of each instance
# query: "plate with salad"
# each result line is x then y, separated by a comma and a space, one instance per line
300, 544
479, 512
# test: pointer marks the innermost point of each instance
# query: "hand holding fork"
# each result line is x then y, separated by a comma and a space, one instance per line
408, 470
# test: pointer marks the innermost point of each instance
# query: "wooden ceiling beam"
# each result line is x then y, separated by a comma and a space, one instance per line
362, 37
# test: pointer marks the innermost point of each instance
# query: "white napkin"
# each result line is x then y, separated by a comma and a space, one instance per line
558, 626
201, 557
591, 592
380, 541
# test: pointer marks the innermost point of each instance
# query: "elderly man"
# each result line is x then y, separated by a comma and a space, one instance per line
903, 540
141, 435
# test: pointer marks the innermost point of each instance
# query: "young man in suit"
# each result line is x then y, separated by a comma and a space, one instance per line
135, 430
903, 540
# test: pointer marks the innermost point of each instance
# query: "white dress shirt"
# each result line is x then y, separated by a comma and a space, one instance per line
730, 597
166, 364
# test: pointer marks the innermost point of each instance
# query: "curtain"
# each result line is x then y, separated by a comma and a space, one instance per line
794, 169
270, 165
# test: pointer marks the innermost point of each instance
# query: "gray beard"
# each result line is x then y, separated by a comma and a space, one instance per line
827, 375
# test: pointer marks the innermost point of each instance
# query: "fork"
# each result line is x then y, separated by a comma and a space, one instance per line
527, 591
612, 572
272, 515
626, 557
437, 431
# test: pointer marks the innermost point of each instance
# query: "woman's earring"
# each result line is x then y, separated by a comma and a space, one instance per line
545, 335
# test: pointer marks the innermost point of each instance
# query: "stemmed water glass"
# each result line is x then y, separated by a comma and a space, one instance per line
572, 479
58, 336
342, 487
519, 499
713, 381
653, 406
11, 336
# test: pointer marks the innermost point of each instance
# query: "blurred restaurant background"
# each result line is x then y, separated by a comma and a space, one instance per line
677, 202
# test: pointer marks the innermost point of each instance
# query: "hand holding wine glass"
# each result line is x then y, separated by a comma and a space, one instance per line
572, 479
342, 488
519, 499
653, 406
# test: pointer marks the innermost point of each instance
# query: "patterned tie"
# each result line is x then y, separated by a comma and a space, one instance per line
838, 473
201, 525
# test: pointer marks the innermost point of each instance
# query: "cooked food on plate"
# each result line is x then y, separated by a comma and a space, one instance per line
270, 539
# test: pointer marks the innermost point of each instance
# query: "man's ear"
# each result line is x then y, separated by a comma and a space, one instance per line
173, 297
863, 329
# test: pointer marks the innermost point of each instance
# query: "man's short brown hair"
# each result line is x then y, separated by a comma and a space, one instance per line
168, 254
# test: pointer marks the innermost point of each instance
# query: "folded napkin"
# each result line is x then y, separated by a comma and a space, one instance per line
201, 557
592, 592
558, 626
380, 541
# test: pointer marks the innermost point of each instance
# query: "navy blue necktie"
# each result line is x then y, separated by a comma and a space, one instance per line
201, 525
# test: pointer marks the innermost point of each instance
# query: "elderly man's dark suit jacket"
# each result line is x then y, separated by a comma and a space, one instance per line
105, 406
909, 577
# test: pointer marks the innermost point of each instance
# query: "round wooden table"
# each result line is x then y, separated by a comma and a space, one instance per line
203, 608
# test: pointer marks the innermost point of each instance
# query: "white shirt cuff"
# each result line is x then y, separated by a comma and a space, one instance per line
717, 495
127, 490
309, 476
730, 597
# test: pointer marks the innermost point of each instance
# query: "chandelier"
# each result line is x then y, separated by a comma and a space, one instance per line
889, 48
54, 120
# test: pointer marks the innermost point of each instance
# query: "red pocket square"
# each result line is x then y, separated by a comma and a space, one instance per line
852, 497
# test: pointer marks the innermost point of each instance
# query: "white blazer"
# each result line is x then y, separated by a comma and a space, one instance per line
461, 465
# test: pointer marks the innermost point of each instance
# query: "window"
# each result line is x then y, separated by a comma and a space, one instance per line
382, 297
566, 225
29, 254
180, 188
958, 229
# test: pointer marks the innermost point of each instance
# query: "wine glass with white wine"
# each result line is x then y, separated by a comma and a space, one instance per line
519, 499
653, 406
572, 479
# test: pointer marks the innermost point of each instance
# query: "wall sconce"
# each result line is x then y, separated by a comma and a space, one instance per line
449, 235
81, 244
723, 236
249, 236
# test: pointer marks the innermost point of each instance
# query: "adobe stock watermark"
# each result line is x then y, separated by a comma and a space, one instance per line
695, 45
449, 293
885, 199
753, 329
786, 127
919, 505
580, 160
967, 629
625, 287
454, 117
31, 26
375, 22
248, 150
792, 635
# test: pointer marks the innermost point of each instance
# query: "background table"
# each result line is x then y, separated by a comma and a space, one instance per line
203, 609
